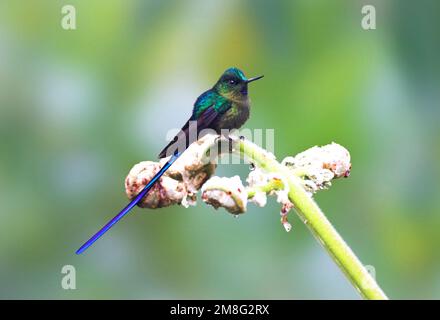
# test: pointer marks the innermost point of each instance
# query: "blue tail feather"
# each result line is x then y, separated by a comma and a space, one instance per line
130, 206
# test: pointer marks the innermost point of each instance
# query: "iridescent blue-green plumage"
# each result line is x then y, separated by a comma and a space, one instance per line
225, 106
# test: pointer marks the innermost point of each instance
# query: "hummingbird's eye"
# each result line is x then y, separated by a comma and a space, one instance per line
232, 81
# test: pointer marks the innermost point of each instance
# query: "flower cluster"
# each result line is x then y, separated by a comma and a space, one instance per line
194, 170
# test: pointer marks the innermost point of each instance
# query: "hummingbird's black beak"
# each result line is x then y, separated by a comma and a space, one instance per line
253, 79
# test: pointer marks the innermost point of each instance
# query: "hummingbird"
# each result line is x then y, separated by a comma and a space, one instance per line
225, 106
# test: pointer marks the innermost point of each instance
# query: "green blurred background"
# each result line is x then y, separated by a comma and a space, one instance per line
79, 108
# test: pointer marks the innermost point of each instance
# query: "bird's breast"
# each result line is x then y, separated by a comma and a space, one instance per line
235, 117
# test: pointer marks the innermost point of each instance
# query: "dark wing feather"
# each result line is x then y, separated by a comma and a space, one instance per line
203, 122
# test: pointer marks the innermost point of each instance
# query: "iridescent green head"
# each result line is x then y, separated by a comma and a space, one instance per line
233, 84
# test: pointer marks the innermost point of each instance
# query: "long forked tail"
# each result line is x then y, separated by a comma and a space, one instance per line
130, 206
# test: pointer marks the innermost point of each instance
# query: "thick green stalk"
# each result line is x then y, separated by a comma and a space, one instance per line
317, 222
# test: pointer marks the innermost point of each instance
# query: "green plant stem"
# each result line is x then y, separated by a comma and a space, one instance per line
271, 185
317, 222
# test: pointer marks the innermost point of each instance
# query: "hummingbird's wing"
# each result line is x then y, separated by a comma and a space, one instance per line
203, 121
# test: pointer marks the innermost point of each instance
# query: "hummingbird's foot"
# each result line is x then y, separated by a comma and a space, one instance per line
231, 144
231, 141
233, 138
224, 143
217, 138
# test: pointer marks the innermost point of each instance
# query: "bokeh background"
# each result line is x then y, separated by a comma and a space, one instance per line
79, 108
